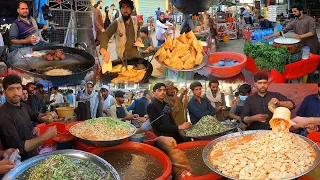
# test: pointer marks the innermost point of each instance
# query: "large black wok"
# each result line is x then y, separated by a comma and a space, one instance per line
77, 61
107, 77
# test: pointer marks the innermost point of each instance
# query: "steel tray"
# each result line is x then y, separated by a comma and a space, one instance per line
232, 125
108, 143
74, 154
210, 146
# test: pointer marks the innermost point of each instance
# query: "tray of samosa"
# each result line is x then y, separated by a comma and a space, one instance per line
185, 53
137, 70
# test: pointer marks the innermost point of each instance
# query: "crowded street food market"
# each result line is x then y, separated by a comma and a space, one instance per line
159, 90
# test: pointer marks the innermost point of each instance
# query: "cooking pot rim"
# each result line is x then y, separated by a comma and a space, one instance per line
278, 41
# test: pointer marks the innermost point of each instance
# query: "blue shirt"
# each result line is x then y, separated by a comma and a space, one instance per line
199, 109
310, 107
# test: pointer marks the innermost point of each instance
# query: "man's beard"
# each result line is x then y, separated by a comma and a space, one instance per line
24, 16
14, 101
298, 15
126, 17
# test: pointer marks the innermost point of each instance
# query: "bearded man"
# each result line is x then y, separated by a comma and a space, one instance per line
304, 28
126, 31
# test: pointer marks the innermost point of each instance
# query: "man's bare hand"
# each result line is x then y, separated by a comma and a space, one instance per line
6, 166
185, 125
103, 30
32, 39
36, 131
274, 101
105, 55
50, 133
260, 117
297, 36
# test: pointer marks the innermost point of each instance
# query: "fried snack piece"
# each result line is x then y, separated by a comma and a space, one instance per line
177, 63
162, 54
190, 35
174, 42
199, 58
168, 54
132, 76
190, 63
193, 51
183, 38
117, 68
186, 57
169, 62
200, 47
168, 43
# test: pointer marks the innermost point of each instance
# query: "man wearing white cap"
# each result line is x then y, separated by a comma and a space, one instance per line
92, 97
106, 102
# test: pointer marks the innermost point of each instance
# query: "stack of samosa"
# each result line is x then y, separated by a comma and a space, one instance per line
184, 52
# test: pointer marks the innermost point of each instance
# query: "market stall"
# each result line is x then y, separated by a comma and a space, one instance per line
282, 61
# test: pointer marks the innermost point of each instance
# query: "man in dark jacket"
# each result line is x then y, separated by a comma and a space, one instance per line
139, 106
163, 123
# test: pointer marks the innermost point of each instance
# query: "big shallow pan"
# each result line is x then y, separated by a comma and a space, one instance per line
74, 154
107, 77
197, 67
233, 128
210, 146
77, 61
107, 143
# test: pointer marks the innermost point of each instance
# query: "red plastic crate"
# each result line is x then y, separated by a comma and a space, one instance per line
43, 127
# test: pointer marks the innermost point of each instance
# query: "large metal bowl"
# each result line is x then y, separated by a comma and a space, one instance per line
233, 128
74, 154
107, 143
197, 67
210, 146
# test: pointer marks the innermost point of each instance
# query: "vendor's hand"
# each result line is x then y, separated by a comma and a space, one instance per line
267, 37
139, 40
142, 119
103, 30
297, 36
6, 166
8, 152
50, 132
53, 114
36, 131
274, 101
105, 55
219, 108
130, 117
300, 122
312, 128
45, 27
32, 39
167, 141
185, 125
150, 48
260, 117
146, 51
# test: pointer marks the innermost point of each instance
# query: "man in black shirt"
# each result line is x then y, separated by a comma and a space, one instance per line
34, 101
255, 110
265, 23
16, 130
165, 126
